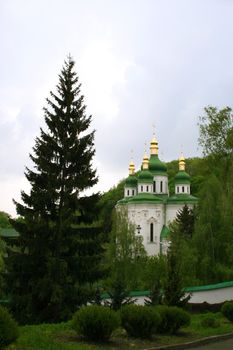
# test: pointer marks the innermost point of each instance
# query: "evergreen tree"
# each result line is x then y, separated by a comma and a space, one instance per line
58, 252
185, 221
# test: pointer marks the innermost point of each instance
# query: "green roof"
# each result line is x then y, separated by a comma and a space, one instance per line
210, 286
145, 176
182, 177
131, 181
8, 233
164, 232
144, 293
181, 198
156, 166
123, 201
144, 198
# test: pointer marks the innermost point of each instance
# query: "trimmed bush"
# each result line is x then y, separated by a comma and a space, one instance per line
172, 318
95, 322
139, 321
227, 310
8, 328
210, 321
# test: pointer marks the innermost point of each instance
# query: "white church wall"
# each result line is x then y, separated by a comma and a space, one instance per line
143, 215
172, 210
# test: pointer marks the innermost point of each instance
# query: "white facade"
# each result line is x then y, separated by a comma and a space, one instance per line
150, 207
148, 219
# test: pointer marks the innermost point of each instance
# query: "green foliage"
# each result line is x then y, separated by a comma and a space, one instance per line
227, 310
210, 321
185, 220
173, 285
154, 273
216, 128
124, 259
95, 322
119, 295
8, 328
57, 256
107, 205
2, 265
139, 321
172, 318
213, 239
4, 220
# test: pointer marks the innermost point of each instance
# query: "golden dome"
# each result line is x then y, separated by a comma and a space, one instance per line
145, 162
182, 162
154, 146
131, 168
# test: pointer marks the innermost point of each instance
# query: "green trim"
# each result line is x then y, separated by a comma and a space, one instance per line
8, 233
182, 181
123, 201
165, 232
182, 177
182, 198
145, 181
131, 181
209, 287
145, 177
145, 198
144, 293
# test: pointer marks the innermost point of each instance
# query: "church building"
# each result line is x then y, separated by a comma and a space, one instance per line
149, 206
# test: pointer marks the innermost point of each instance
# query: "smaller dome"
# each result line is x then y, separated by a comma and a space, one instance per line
145, 176
131, 181
182, 177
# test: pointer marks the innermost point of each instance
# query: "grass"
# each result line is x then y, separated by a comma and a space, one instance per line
62, 337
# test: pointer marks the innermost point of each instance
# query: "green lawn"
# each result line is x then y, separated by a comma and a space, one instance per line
62, 337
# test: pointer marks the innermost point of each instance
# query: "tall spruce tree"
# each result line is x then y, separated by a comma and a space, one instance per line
185, 220
58, 253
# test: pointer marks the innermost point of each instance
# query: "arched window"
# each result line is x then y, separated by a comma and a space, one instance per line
127, 192
161, 186
177, 189
151, 232
154, 186
182, 188
141, 188
133, 192
147, 188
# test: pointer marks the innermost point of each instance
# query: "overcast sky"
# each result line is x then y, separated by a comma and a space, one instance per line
140, 62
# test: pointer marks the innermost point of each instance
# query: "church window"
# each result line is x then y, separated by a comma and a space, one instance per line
152, 232
127, 192
161, 186
147, 188
177, 189
141, 188
154, 186
132, 192
182, 188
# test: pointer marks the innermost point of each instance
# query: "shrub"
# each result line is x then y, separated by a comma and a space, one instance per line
210, 321
8, 328
139, 321
95, 322
172, 318
227, 310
